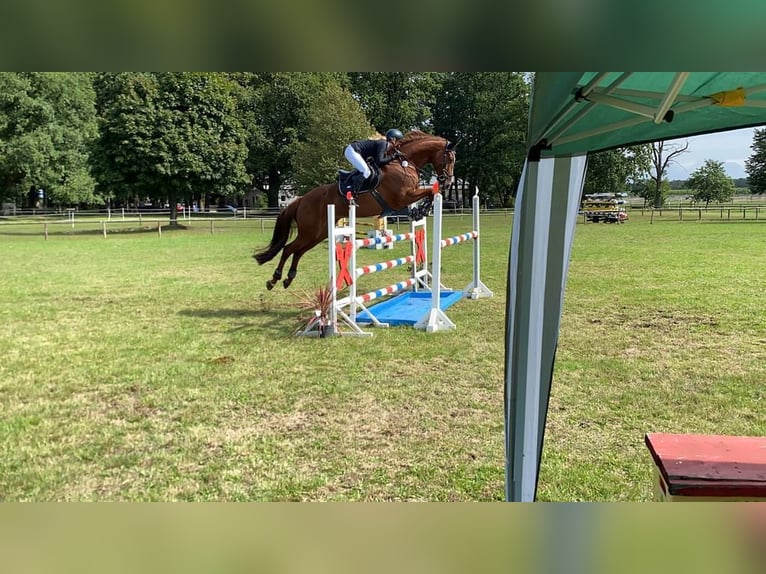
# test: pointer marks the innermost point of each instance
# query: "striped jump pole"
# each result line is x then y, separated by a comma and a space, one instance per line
372, 295
375, 267
370, 241
366, 298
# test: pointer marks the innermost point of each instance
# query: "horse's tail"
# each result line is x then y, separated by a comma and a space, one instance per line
281, 234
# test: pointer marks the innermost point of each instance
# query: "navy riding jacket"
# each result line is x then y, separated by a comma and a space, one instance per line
376, 149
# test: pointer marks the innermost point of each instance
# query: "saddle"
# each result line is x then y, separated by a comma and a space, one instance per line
345, 180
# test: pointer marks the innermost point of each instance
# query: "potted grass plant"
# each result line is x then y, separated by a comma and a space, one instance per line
318, 303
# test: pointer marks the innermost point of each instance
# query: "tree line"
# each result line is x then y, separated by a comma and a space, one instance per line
95, 139
739, 183
641, 170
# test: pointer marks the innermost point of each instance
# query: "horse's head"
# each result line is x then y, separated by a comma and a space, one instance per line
445, 170
422, 149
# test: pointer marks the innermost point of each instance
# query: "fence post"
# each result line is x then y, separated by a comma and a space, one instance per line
103, 227
159, 228
45, 230
211, 226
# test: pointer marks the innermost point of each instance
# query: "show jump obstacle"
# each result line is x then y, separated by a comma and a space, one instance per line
422, 298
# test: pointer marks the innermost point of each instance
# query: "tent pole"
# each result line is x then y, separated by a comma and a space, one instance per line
541, 242
670, 97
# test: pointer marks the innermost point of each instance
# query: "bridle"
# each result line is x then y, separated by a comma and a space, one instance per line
447, 174
448, 171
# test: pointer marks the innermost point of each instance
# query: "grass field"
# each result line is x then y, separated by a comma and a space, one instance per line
138, 367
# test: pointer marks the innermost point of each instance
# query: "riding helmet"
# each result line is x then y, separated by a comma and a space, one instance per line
394, 134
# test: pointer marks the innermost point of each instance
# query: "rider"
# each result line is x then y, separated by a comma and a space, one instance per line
357, 151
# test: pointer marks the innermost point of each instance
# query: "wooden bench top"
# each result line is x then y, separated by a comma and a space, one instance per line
710, 465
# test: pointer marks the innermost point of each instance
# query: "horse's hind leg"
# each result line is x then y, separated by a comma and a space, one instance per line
286, 252
297, 254
274, 278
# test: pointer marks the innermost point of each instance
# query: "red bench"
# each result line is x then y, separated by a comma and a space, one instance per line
692, 467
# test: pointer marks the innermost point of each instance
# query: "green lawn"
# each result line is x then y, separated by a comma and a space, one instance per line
146, 367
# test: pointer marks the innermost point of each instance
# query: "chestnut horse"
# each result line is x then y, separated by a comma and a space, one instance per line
398, 188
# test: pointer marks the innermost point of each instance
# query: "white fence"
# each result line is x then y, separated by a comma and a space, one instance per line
73, 222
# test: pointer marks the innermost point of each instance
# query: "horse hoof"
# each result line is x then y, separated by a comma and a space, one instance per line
286, 283
269, 285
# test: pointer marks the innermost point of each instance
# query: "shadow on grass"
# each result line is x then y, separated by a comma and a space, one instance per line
278, 321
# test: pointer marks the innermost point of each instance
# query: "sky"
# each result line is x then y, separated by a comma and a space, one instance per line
731, 147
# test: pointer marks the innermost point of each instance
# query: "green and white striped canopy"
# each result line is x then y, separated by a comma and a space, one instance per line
581, 112
571, 115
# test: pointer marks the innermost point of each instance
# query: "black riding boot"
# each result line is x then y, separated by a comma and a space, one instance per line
357, 182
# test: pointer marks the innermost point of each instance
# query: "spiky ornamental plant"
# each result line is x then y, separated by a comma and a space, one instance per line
319, 303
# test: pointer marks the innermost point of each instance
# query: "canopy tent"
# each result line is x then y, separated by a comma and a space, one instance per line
571, 115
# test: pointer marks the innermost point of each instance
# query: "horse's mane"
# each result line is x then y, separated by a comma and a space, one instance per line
416, 135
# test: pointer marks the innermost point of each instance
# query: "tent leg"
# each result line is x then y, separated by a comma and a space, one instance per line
541, 243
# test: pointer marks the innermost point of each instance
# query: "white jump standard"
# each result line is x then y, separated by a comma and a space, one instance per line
436, 320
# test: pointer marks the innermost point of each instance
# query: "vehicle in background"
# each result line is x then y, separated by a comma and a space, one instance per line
606, 207
285, 198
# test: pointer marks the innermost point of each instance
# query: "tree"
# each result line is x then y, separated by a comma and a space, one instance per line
334, 120
47, 121
279, 106
402, 100
168, 136
488, 113
611, 171
755, 165
711, 183
662, 155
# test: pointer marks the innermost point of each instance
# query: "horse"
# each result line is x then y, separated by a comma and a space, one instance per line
398, 188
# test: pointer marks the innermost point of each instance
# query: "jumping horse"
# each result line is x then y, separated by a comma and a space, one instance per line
398, 188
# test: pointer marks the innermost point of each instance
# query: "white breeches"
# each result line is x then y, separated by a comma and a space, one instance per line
357, 161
